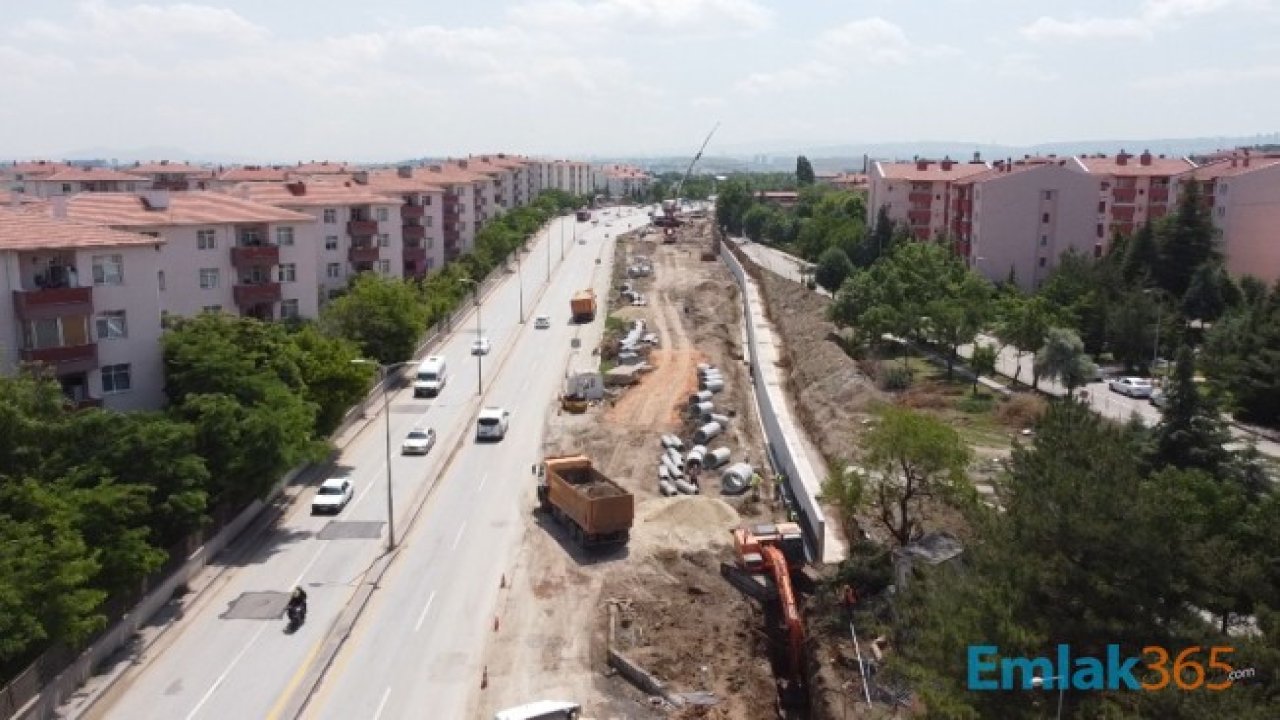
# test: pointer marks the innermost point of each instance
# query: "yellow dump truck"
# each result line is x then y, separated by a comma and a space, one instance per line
596, 511
583, 305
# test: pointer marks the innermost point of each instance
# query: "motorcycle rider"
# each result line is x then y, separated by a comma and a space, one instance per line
298, 601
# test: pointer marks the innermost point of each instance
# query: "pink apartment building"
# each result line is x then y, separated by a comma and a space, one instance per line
462, 205
1133, 190
1243, 194
249, 173
71, 181
82, 299
217, 253
623, 180
421, 215
918, 194
1021, 217
350, 229
18, 175
165, 175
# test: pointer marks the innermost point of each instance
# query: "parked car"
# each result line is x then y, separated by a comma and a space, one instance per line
1158, 398
492, 423
332, 496
542, 322
418, 442
480, 346
1135, 387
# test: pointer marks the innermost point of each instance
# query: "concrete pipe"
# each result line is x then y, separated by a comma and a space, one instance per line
695, 457
737, 478
674, 469
699, 397
704, 408
667, 488
722, 419
686, 487
714, 385
718, 457
707, 432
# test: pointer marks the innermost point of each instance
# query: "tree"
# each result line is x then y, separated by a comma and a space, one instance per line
383, 316
1190, 434
845, 489
1187, 240
913, 458
1131, 323
880, 243
983, 362
804, 171
1025, 326
333, 381
732, 202
1205, 299
956, 317
833, 268
1063, 358
754, 220
780, 228
1142, 257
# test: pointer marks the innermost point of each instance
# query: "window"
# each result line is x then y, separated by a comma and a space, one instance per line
1222, 212
1044, 218
1101, 230
206, 239
1102, 206
384, 240
1043, 261
331, 216
1044, 240
288, 308
115, 379
426, 200
384, 267
333, 270
208, 278
383, 214
331, 242
334, 293
1097, 251
284, 236
111, 325
108, 270
289, 273
160, 279
1222, 190
212, 309
431, 243
428, 221
1048, 194
66, 187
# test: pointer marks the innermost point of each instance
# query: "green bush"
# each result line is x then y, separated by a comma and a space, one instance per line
895, 378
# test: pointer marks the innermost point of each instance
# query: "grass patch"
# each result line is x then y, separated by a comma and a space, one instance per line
970, 404
615, 324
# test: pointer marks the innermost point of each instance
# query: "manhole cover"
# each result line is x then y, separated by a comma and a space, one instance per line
258, 606
351, 531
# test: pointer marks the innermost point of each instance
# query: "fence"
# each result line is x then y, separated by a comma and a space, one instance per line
784, 446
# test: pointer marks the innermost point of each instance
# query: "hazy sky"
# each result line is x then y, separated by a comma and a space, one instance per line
386, 79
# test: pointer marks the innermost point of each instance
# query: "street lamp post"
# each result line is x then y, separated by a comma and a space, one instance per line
549, 251
479, 337
520, 280
1062, 689
1155, 351
385, 372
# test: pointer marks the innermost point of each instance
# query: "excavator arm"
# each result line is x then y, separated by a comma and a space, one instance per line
777, 564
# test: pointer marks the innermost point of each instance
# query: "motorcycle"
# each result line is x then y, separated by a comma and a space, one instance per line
297, 615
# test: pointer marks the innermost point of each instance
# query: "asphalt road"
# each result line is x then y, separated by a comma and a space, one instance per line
413, 645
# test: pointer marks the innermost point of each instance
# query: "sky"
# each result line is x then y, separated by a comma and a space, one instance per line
380, 80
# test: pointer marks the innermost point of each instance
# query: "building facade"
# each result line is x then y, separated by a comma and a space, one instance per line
1243, 197
918, 194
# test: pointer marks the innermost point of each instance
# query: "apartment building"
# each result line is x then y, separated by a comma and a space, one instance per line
500, 187
421, 217
843, 181
1018, 218
18, 175
575, 178
1243, 194
218, 253
918, 194
74, 180
349, 230
82, 299
249, 173
466, 195
165, 175
1133, 189
623, 180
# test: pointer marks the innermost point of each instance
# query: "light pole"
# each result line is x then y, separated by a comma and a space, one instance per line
549, 251
1155, 351
385, 372
1062, 689
479, 338
520, 280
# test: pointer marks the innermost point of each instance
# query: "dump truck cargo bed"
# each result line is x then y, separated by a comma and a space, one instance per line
596, 510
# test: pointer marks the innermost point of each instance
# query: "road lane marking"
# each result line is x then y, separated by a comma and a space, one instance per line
383, 704
306, 569
458, 538
481, 485
292, 685
216, 683
425, 610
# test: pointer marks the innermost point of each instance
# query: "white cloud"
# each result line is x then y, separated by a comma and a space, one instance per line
804, 75
877, 41
1022, 66
683, 17
1152, 16
1209, 78
96, 22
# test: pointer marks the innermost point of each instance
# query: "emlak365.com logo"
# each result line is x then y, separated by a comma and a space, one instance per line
1157, 668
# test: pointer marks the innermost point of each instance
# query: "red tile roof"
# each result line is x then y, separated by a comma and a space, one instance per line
1225, 168
391, 182
77, 174
1133, 165
323, 168
929, 170
38, 167
448, 174
170, 168
255, 174
309, 194
31, 231
197, 207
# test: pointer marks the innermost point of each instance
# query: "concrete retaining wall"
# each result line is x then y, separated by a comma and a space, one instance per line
780, 428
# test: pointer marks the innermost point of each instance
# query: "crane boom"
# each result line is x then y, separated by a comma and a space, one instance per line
675, 194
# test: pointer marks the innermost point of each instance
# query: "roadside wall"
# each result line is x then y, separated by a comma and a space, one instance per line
781, 435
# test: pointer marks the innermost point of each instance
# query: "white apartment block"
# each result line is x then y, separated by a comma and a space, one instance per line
75, 180
82, 300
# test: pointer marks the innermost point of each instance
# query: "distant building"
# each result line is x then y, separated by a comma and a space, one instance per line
918, 194
1242, 193
778, 198
165, 175
1134, 189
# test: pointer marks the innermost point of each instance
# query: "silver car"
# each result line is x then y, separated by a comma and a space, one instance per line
1134, 387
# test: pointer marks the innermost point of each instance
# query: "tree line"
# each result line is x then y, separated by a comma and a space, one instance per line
93, 501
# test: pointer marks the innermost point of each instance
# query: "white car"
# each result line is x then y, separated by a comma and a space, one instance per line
480, 346
1135, 387
418, 442
492, 423
333, 495
542, 322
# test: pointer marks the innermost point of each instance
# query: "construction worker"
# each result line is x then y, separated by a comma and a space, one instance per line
755, 486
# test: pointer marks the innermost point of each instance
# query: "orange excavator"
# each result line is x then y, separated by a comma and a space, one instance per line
775, 551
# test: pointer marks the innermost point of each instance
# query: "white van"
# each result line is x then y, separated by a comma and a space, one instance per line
541, 710
431, 377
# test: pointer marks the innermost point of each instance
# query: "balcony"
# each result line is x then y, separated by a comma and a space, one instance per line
170, 185
66, 359
53, 302
919, 217
363, 254
1124, 196
1122, 214
256, 294
412, 212
243, 256
415, 254
413, 232
920, 197
362, 228
451, 228
1159, 195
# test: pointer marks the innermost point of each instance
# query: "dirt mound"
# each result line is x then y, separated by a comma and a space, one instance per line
685, 522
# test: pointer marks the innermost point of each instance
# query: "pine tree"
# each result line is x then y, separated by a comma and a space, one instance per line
1191, 434
804, 171
1186, 241
1141, 257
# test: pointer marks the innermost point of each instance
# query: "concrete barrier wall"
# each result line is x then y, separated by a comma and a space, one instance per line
780, 430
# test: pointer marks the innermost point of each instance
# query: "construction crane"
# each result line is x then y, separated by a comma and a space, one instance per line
775, 551
668, 218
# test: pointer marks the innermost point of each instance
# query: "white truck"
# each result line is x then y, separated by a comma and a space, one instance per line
431, 377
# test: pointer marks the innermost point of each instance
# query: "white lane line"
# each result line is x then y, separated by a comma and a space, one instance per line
382, 471
303, 574
425, 610
382, 705
458, 538
239, 656
481, 485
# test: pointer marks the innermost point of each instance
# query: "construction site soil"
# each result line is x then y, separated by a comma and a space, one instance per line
678, 618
